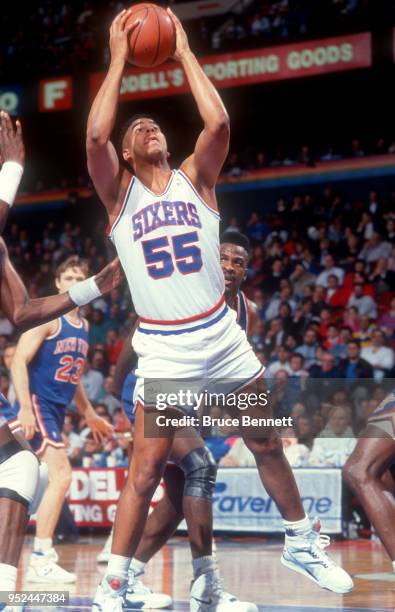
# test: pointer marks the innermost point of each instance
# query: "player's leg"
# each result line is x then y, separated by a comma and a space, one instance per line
188, 493
43, 563
303, 550
363, 472
19, 476
148, 462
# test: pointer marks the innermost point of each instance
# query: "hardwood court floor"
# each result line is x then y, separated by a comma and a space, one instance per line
251, 569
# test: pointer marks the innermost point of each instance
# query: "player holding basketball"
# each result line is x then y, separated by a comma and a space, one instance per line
367, 472
22, 479
46, 371
164, 225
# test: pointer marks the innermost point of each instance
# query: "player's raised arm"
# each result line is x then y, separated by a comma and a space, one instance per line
25, 312
103, 164
211, 149
12, 158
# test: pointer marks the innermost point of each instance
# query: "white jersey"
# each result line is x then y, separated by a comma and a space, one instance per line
168, 245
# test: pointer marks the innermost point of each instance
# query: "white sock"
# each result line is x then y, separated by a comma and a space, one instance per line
118, 566
137, 567
393, 566
202, 565
7, 577
297, 528
42, 544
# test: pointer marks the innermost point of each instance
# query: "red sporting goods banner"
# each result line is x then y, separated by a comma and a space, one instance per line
94, 493
249, 67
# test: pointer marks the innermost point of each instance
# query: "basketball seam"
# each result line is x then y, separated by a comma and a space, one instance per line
158, 43
138, 32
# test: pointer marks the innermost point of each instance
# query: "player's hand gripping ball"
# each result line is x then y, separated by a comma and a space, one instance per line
153, 41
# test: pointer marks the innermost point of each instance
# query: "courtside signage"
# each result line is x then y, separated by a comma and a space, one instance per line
249, 67
56, 94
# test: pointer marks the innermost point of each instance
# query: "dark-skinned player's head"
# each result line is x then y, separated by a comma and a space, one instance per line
234, 257
142, 140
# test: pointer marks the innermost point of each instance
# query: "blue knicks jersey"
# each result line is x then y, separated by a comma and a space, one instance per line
55, 371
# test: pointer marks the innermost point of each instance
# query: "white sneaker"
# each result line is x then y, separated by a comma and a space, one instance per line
104, 555
207, 595
306, 555
110, 595
140, 596
43, 568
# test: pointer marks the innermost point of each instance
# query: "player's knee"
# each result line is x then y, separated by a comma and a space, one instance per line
357, 473
265, 449
146, 478
60, 477
200, 472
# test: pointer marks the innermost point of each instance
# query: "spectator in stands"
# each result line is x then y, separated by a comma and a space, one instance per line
336, 442
107, 398
99, 326
354, 366
365, 304
309, 347
74, 442
380, 357
299, 278
387, 320
92, 381
335, 294
304, 430
284, 297
274, 336
375, 248
114, 345
329, 269
282, 362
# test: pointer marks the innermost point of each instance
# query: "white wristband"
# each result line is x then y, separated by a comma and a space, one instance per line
10, 177
85, 291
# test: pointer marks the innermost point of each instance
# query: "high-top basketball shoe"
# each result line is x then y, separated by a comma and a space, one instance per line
306, 555
140, 596
207, 595
110, 595
44, 569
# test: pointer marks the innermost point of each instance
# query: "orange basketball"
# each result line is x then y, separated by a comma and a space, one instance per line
154, 39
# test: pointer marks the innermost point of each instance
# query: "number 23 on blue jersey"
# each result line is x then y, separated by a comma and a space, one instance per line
161, 256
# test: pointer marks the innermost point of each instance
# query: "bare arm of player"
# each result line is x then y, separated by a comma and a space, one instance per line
26, 349
99, 427
11, 150
212, 146
24, 312
125, 362
103, 164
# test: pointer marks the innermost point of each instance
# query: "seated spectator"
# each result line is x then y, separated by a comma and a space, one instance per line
365, 305
375, 248
92, 381
299, 278
380, 357
74, 442
353, 366
335, 296
387, 320
336, 442
304, 430
281, 363
297, 454
352, 319
309, 347
274, 336
92, 455
284, 297
329, 269
238, 456
364, 334
99, 326
114, 345
107, 397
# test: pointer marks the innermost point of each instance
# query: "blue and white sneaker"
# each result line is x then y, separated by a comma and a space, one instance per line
140, 596
306, 555
110, 595
207, 595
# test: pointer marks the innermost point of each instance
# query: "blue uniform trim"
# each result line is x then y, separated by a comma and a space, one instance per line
171, 332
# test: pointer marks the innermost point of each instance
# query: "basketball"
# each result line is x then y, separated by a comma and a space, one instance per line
153, 40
